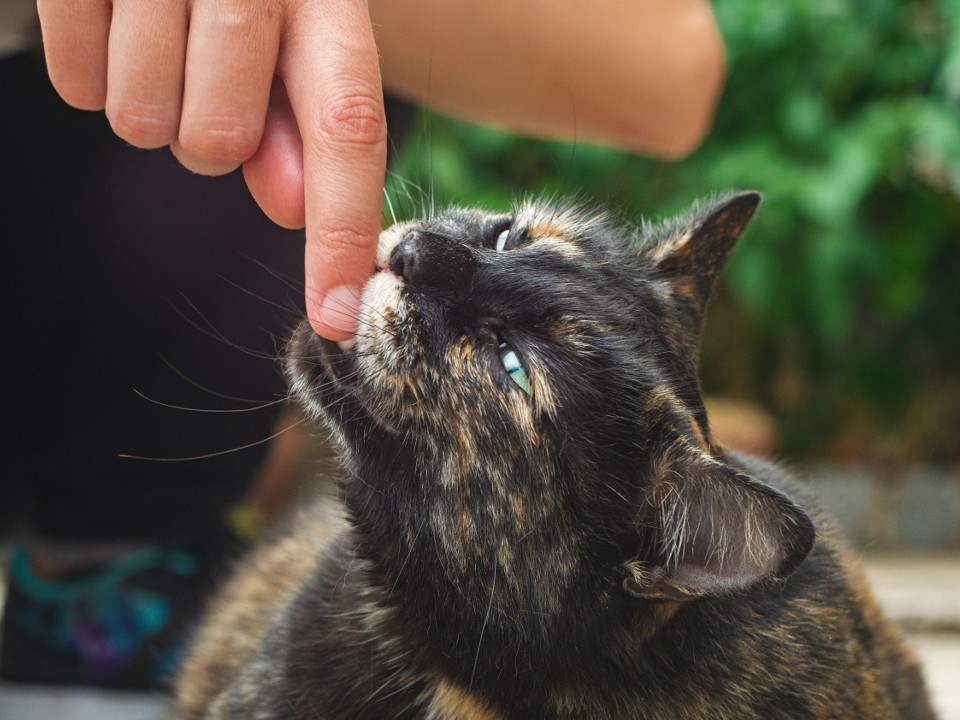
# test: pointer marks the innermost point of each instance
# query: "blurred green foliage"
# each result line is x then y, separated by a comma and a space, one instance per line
839, 309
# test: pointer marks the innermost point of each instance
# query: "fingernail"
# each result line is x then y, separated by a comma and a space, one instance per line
339, 308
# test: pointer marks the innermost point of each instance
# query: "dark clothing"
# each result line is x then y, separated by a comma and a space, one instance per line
128, 275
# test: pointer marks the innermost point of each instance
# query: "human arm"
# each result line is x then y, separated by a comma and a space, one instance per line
643, 75
198, 75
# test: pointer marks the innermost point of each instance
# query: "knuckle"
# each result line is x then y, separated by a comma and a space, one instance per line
354, 118
240, 15
143, 124
347, 239
220, 139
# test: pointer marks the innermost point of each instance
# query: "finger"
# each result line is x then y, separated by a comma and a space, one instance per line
274, 174
331, 70
231, 58
75, 44
145, 70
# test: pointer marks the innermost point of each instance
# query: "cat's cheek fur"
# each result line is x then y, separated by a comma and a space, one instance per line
376, 350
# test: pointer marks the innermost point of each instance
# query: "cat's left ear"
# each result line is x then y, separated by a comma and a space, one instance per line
692, 251
717, 531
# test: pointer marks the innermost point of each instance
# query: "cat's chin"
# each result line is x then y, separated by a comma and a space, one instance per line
325, 377
318, 370
340, 361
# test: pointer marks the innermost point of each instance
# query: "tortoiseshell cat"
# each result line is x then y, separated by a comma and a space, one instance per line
539, 523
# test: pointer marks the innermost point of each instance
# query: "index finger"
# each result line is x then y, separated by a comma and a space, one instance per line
332, 73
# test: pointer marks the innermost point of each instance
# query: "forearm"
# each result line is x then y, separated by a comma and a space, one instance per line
644, 75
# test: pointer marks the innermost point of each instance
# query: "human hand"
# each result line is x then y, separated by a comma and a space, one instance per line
290, 89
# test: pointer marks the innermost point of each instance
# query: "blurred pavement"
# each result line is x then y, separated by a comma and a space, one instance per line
922, 593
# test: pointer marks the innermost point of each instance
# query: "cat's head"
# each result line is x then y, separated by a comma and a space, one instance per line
522, 403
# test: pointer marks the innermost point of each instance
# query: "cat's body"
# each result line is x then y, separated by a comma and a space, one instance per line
538, 523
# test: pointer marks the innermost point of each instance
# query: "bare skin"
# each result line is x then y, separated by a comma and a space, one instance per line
292, 90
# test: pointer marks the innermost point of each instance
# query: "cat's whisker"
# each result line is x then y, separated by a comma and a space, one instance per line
186, 378
403, 565
386, 197
291, 309
215, 411
218, 453
430, 187
486, 619
616, 492
210, 331
405, 184
293, 283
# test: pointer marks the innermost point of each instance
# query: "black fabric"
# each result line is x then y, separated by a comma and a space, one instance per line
127, 276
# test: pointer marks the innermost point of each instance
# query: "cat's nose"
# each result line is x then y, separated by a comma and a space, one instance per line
424, 259
405, 260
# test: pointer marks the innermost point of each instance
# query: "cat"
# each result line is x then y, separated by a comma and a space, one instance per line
536, 520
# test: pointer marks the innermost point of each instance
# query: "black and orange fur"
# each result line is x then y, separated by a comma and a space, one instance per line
584, 550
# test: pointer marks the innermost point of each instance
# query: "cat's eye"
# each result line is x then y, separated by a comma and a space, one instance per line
502, 238
511, 363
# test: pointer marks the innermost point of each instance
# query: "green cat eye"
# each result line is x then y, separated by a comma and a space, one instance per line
511, 364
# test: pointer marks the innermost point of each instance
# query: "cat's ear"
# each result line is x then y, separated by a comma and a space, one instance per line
718, 531
692, 251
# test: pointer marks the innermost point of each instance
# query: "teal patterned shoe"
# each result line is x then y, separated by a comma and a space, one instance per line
119, 625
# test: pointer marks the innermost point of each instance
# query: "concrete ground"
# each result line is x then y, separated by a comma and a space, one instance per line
922, 592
